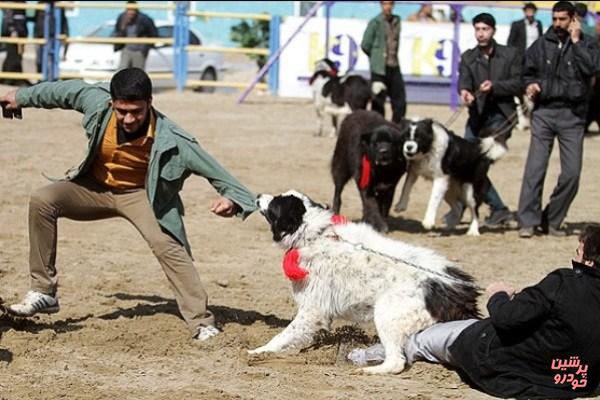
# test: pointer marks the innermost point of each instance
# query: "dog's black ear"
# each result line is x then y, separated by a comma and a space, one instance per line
428, 122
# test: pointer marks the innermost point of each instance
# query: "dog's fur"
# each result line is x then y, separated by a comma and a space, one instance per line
457, 167
367, 133
337, 96
357, 274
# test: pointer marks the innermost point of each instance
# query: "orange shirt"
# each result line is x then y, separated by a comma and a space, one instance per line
123, 166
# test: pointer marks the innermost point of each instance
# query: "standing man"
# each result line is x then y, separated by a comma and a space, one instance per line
558, 71
136, 164
490, 76
14, 25
525, 31
134, 24
380, 43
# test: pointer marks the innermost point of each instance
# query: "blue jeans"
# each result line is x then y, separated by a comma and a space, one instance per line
494, 121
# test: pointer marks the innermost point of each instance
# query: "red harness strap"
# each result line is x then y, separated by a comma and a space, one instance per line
365, 173
291, 259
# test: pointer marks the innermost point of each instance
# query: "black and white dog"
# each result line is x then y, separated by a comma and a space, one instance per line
337, 96
457, 167
347, 270
368, 149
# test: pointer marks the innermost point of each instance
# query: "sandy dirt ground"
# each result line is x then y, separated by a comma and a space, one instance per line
118, 334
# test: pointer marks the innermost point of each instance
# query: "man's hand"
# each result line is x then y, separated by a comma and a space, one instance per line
496, 287
224, 207
486, 86
532, 90
9, 100
574, 30
466, 97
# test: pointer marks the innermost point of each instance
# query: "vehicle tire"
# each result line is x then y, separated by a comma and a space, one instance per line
209, 74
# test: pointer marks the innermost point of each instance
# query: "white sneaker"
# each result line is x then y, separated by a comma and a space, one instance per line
206, 332
35, 302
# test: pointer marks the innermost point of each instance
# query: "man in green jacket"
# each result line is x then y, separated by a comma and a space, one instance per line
136, 164
380, 42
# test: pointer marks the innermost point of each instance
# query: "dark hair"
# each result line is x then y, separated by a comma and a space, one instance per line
131, 84
531, 6
486, 18
581, 9
564, 6
590, 237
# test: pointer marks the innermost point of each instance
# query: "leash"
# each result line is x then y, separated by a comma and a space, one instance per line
360, 246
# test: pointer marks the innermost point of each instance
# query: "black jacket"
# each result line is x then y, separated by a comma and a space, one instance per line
564, 75
504, 70
144, 27
517, 37
512, 353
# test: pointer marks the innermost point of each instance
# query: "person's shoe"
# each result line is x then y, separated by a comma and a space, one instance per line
498, 218
526, 232
556, 232
34, 303
206, 332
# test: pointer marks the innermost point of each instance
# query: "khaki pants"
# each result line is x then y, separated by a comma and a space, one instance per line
85, 200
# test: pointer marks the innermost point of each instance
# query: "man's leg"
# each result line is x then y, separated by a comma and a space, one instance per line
175, 261
125, 59
80, 200
397, 92
570, 130
432, 344
138, 60
540, 147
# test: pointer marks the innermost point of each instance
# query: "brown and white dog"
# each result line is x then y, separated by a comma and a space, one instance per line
347, 270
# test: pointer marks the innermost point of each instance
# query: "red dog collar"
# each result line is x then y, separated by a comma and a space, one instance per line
291, 259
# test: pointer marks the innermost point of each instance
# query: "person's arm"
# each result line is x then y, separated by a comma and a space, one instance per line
512, 36
201, 163
69, 95
368, 38
527, 306
513, 84
585, 54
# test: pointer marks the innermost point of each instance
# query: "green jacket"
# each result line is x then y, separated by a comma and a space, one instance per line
175, 154
374, 42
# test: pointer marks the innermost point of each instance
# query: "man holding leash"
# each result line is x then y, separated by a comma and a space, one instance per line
490, 77
136, 164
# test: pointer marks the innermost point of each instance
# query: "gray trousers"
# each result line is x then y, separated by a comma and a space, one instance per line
86, 200
132, 59
432, 344
547, 124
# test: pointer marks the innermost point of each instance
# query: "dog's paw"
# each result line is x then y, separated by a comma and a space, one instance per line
428, 223
258, 350
384, 368
473, 232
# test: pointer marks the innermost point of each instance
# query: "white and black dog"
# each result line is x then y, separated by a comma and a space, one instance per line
347, 270
457, 167
337, 96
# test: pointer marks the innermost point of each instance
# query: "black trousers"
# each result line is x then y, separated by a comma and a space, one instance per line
12, 63
394, 84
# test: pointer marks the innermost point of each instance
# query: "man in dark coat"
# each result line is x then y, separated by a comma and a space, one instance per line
14, 24
525, 31
557, 75
539, 343
490, 77
134, 24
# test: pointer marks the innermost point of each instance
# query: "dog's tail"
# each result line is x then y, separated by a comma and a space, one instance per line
492, 149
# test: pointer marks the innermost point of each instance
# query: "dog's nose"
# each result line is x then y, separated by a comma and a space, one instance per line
257, 201
410, 147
